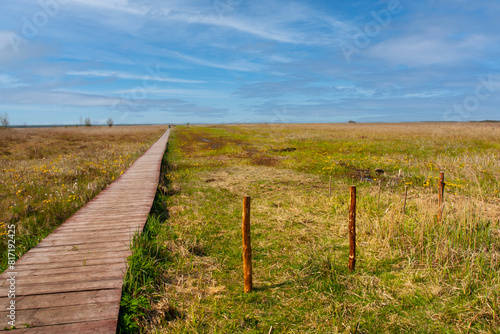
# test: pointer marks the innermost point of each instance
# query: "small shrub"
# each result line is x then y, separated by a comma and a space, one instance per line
4, 120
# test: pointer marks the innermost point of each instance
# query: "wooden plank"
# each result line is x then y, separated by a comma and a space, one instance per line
112, 215
112, 207
66, 314
106, 229
105, 221
92, 234
48, 288
93, 327
80, 216
121, 267
77, 255
70, 264
26, 280
78, 241
63, 299
102, 226
91, 248
86, 249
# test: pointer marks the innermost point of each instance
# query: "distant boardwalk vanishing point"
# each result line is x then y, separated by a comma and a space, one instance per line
71, 282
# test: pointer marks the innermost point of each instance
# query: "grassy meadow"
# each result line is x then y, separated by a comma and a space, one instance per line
48, 174
414, 274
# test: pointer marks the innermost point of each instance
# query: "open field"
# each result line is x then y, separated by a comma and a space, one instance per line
48, 174
414, 274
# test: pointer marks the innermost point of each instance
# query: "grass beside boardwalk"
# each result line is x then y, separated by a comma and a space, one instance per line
413, 275
48, 174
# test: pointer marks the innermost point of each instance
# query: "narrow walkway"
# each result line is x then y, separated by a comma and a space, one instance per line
71, 282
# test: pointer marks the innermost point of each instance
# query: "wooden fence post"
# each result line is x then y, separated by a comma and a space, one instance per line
441, 196
247, 247
352, 230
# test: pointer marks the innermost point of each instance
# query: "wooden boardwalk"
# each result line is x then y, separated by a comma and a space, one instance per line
71, 282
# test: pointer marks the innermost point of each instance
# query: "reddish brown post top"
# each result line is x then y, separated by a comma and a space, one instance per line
247, 247
352, 230
441, 187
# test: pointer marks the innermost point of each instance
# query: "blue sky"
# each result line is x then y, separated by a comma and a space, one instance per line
219, 61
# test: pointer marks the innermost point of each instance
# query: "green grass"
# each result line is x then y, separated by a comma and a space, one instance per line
413, 275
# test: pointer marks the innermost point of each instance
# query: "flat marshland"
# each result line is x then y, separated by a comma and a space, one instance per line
414, 273
48, 174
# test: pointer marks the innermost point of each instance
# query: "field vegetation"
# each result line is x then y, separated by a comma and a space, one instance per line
414, 274
48, 174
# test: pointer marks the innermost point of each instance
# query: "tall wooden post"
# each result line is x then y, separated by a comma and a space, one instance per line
352, 230
247, 247
441, 196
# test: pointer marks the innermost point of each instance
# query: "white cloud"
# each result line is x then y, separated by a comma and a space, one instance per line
57, 98
6, 81
260, 30
243, 66
172, 92
122, 75
428, 49
114, 5
272, 21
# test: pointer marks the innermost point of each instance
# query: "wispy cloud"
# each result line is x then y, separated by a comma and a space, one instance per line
7, 81
431, 48
259, 30
110, 5
199, 93
243, 65
122, 75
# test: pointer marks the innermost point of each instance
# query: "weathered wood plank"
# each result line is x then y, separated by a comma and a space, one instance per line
89, 248
93, 327
48, 288
92, 234
66, 315
70, 264
77, 255
63, 299
78, 241
95, 275
122, 267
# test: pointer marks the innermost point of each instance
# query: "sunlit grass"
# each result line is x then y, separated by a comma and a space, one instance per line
414, 274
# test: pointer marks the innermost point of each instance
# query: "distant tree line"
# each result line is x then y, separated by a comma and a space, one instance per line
87, 122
